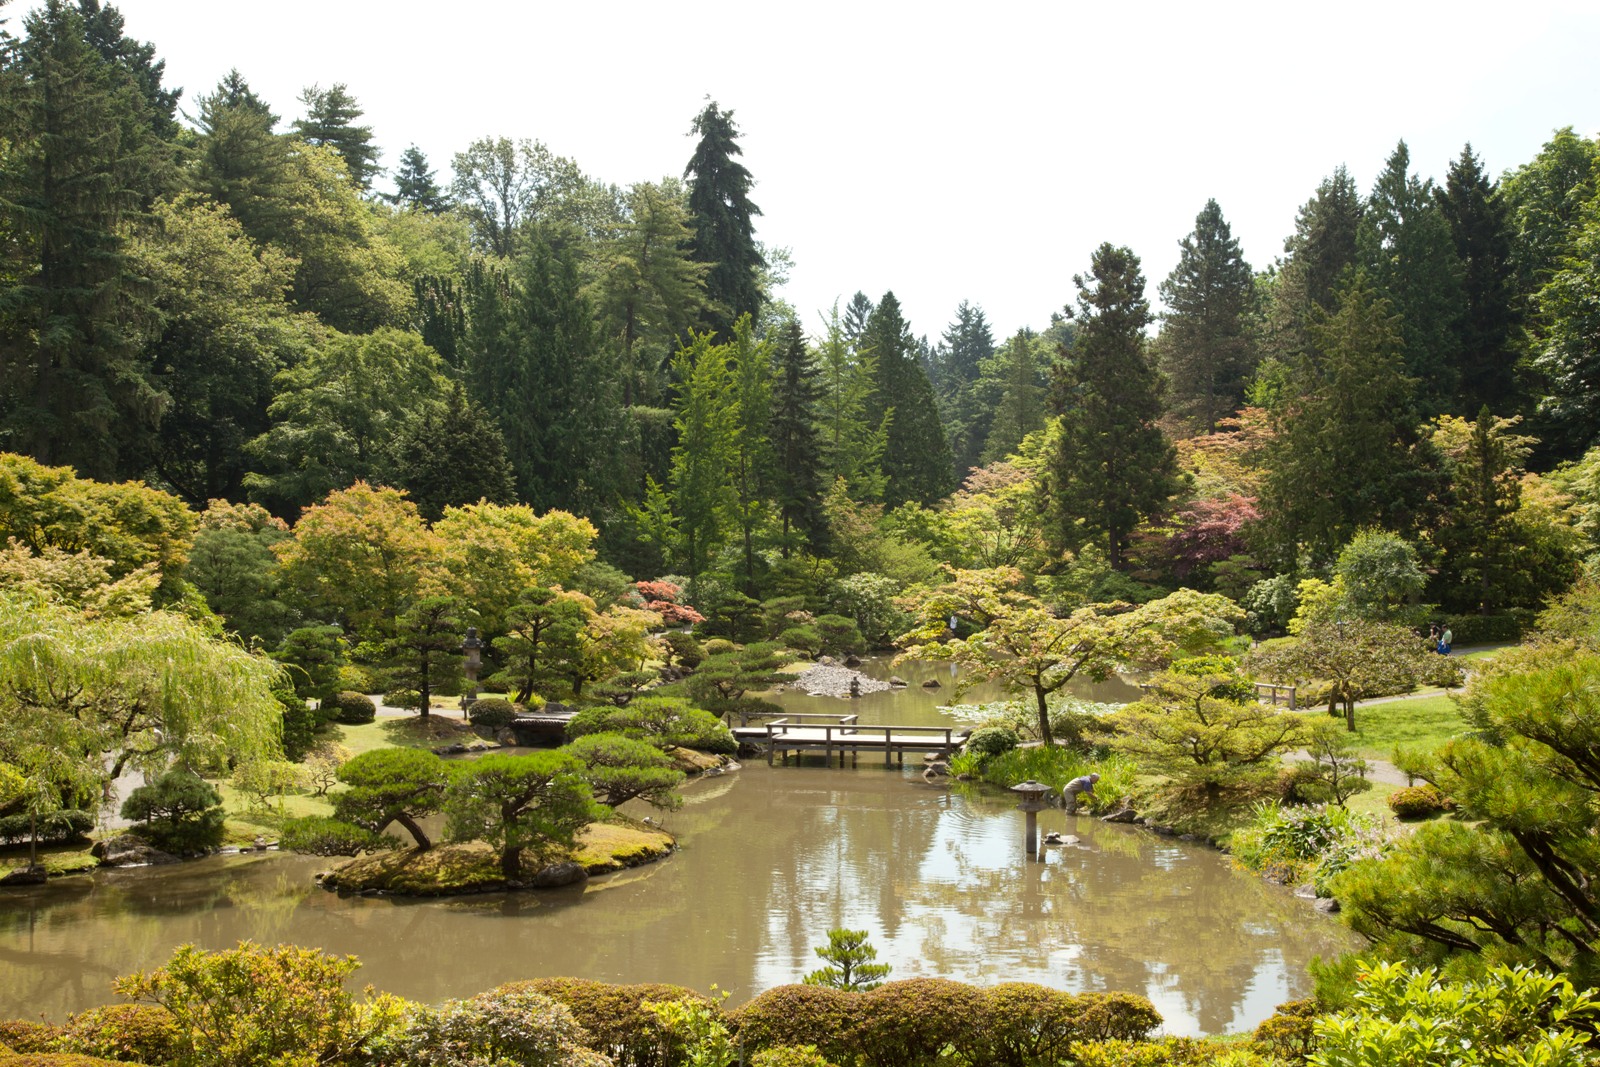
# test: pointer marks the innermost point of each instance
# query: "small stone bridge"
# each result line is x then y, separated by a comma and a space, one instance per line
844, 734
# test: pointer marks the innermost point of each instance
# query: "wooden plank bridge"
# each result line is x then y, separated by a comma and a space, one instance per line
844, 734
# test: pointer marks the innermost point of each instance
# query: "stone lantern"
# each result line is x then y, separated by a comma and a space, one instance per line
472, 649
1033, 801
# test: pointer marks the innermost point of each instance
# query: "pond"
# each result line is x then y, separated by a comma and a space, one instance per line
771, 858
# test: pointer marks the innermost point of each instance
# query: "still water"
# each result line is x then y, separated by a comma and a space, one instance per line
770, 859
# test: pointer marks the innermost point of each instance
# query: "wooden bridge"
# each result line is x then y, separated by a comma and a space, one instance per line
801, 733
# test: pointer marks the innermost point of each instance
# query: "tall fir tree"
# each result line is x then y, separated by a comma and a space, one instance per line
916, 459
81, 163
1344, 453
854, 322
532, 357
852, 445
797, 471
968, 344
452, 454
1317, 256
1205, 349
241, 161
1488, 327
330, 122
1113, 467
1408, 249
415, 185
750, 395
1020, 375
103, 27
724, 220
702, 491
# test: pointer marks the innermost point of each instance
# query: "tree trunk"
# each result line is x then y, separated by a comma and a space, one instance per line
416, 832
1044, 715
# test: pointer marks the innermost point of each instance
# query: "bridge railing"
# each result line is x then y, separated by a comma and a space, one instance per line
1279, 696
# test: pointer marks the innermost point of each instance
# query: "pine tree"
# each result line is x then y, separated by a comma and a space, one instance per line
1205, 351
453, 454
241, 161
80, 163
1113, 466
103, 29
1344, 453
532, 357
1406, 244
750, 396
1486, 331
330, 122
968, 343
916, 459
1019, 372
852, 446
856, 314
415, 185
1319, 253
724, 227
797, 450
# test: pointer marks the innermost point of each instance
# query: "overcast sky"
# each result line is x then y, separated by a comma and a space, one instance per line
946, 152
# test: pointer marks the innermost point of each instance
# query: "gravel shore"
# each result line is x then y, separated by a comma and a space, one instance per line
832, 680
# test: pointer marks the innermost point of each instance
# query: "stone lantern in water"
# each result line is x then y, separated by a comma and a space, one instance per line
472, 649
1033, 796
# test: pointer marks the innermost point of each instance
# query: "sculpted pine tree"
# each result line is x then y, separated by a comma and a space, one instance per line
1113, 466
1487, 330
1205, 349
723, 219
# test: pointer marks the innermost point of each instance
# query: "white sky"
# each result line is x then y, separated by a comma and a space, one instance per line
947, 152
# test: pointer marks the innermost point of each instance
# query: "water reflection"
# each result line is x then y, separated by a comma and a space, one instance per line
771, 858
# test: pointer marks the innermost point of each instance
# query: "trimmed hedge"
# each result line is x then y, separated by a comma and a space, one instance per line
353, 709
1484, 629
909, 1023
24, 1037
1418, 802
136, 1033
492, 712
614, 1017
53, 828
799, 1015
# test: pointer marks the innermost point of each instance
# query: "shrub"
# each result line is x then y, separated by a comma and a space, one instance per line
799, 1015
684, 649
1117, 1016
1288, 1035
137, 1033
802, 639
840, 635
53, 827
1025, 1024
1167, 1051
1418, 802
353, 709
504, 1026
666, 722
790, 1056
353, 679
717, 646
404, 698
179, 812
909, 1023
257, 1007
23, 1037
59, 1059
1484, 629
319, 835
989, 741
494, 713
614, 1017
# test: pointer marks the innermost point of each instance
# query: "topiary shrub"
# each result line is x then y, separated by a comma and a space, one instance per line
684, 649
403, 698
180, 812
910, 1023
799, 1015
493, 713
802, 639
1289, 1035
1024, 1024
987, 742
1117, 1016
319, 835
1418, 802
717, 646
614, 1017
666, 722
136, 1033
504, 1026
353, 709
22, 1036
840, 635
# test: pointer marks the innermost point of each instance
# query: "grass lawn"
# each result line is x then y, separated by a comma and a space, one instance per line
1417, 723
410, 732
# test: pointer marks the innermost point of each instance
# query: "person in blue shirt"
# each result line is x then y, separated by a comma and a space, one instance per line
1070, 794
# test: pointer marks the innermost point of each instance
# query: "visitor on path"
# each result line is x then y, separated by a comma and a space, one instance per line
1069, 795
1445, 640
1433, 636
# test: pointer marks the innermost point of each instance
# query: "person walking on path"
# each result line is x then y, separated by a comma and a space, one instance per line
1069, 795
1445, 640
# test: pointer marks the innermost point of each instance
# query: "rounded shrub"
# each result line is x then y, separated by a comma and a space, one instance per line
22, 1036
403, 698
614, 1017
180, 812
802, 639
840, 635
1418, 802
790, 1015
492, 713
503, 1026
717, 646
987, 742
353, 709
135, 1033
60, 1059
1023, 1023
790, 1056
912, 1021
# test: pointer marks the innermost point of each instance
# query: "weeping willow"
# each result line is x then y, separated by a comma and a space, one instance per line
83, 699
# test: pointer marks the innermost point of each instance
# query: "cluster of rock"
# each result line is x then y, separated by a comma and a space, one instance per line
828, 678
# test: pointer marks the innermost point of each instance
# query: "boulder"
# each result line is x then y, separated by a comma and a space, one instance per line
1126, 814
932, 683
896, 682
1326, 905
557, 875
36, 875
852, 661
126, 850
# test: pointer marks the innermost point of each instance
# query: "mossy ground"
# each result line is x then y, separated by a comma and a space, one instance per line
62, 859
474, 867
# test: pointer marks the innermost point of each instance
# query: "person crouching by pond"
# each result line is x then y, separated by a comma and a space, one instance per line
1069, 795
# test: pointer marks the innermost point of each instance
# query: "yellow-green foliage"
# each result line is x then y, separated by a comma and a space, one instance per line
59, 1059
136, 1033
604, 847
22, 1036
614, 1017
